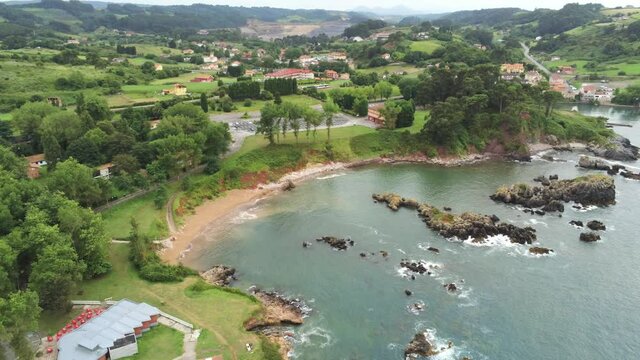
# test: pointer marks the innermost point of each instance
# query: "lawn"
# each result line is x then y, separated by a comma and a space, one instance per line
404, 68
256, 105
154, 49
608, 69
427, 46
159, 343
218, 311
151, 220
419, 120
5, 117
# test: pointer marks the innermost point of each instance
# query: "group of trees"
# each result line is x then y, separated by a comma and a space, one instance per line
281, 87
364, 29
48, 243
356, 99
123, 49
279, 118
244, 90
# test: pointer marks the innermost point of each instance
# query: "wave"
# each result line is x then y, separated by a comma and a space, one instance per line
330, 176
416, 307
448, 350
583, 208
312, 337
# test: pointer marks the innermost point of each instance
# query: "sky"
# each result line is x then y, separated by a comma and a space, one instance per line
424, 6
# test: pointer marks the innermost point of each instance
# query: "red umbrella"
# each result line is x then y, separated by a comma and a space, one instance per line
49, 350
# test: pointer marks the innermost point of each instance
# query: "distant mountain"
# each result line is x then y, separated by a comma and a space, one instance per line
398, 10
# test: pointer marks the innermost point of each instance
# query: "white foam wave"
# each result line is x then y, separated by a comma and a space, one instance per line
499, 240
315, 336
533, 221
330, 176
417, 307
245, 216
584, 208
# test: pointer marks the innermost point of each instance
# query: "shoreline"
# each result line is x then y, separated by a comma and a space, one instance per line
214, 215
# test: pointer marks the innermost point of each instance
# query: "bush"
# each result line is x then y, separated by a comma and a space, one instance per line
156, 271
247, 103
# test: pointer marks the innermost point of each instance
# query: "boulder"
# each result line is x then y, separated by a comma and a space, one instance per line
589, 237
306, 244
408, 292
278, 311
553, 177
618, 148
540, 250
554, 205
394, 201
451, 287
630, 175
288, 185
334, 242
219, 275
420, 346
551, 140
586, 162
596, 225
432, 249
577, 223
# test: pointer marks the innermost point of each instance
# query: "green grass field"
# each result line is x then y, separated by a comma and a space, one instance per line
427, 46
632, 69
218, 311
159, 343
151, 220
404, 68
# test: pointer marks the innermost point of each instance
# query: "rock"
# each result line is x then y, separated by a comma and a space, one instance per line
446, 208
519, 157
384, 253
306, 244
577, 223
540, 212
618, 148
586, 162
540, 250
219, 275
432, 249
551, 140
413, 266
553, 177
278, 311
586, 190
451, 287
548, 157
630, 175
288, 185
363, 255
334, 242
543, 180
494, 218
589, 237
408, 292
419, 346
596, 225
394, 201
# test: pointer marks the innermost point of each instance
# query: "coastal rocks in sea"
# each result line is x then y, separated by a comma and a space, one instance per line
630, 175
219, 275
278, 311
553, 177
384, 254
306, 244
432, 249
618, 148
416, 267
596, 225
288, 185
589, 237
587, 162
519, 157
543, 180
451, 287
420, 346
596, 190
394, 201
408, 292
576, 223
336, 243
536, 250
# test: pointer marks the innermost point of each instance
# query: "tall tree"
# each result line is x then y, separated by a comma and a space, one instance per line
204, 104
330, 109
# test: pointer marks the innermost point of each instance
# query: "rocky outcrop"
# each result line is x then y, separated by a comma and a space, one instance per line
334, 242
596, 225
587, 190
478, 227
394, 201
432, 249
420, 346
577, 223
219, 275
416, 267
587, 162
288, 185
278, 311
536, 250
589, 237
618, 148
630, 175
451, 287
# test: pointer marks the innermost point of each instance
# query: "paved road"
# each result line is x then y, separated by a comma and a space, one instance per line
525, 49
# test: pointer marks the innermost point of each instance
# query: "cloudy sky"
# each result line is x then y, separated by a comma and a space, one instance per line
425, 6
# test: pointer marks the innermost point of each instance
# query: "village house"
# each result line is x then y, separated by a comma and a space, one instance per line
235, 63
307, 60
73, 42
103, 171
35, 162
187, 52
374, 115
480, 47
247, 55
54, 101
337, 56
203, 32
356, 39
210, 59
250, 72
558, 84
532, 77
381, 36
109, 334
566, 70
511, 71
157, 67
331, 74
209, 67
202, 79
386, 56
178, 90
345, 76
422, 36
592, 93
299, 74
555, 58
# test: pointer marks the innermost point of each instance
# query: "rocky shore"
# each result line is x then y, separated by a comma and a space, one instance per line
618, 148
478, 227
219, 275
587, 162
596, 190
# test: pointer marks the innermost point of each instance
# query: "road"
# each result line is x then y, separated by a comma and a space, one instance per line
525, 49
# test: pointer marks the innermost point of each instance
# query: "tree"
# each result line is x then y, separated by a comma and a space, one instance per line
54, 275
294, 113
329, 109
235, 71
204, 104
77, 183
270, 116
312, 117
390, 113
19, 314
28, 120
406, 114
551, 98
361, 106
384, 89
10, 162
85, 151
126, 163
172, 44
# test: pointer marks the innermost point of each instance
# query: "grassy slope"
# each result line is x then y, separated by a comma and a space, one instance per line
161, 342
151, 220
218, 311
427, 46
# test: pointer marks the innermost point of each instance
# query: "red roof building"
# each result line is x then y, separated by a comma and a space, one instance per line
331, 74
300, 74
202, 79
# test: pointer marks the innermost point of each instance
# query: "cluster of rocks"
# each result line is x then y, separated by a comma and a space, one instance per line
288, 185
618, 148
593, 225
219, 275
420, 346
586, 162
278, 311
537, 250
334, 242
478, 227
417, 267
588, 190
